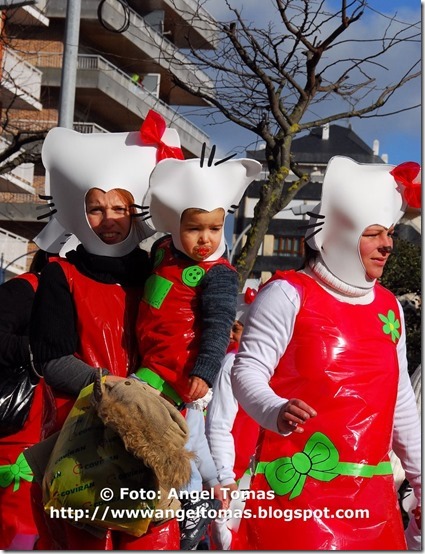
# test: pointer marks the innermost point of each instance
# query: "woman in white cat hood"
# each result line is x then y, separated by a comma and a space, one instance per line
322, 368
85, 308
76, 163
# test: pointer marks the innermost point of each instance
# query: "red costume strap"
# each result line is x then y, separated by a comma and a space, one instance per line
152, 131
32, 279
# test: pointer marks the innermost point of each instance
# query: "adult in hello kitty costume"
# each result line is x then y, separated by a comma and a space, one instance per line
322, 367
86, 304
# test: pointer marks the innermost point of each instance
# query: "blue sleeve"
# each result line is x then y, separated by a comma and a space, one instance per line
218, 308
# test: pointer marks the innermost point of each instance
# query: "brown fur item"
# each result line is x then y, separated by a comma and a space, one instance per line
151, 428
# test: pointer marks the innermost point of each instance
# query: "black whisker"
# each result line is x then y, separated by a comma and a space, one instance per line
44, 197
317, 216
211, 158
204, 147
317, 224
146, 217
46, 215
312, 234
142, 214
218, 162
136, 206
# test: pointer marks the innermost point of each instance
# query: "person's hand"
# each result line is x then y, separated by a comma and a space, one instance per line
226, 496
293, 415
198, 388
218, 492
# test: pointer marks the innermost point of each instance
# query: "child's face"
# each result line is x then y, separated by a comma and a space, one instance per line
201, 232
236, 332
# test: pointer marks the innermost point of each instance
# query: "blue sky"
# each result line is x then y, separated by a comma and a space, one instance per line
399, 136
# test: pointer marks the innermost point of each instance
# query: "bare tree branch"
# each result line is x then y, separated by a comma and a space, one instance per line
270, 80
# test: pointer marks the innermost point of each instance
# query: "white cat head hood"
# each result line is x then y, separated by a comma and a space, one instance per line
176, 185
355, 196
76, 163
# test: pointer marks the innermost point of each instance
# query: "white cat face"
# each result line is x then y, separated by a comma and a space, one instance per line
176, 185
77, 162
354, 197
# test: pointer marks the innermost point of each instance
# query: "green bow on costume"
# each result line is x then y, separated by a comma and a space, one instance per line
15, 472
319, 460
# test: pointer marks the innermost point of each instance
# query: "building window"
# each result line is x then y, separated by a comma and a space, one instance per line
288, 246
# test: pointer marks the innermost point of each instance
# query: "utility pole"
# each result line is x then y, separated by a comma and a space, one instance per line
69, 64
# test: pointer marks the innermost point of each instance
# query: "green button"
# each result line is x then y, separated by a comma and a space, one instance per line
192, 275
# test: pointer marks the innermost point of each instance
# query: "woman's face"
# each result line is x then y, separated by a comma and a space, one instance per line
108, 215
376, 244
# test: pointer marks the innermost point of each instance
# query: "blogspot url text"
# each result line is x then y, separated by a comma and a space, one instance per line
103, 512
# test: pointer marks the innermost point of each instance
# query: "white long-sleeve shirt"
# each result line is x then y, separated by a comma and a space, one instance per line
267, 332
221, 414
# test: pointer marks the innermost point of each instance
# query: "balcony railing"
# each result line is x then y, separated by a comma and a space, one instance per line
98, 63
22, 81
18, 180
89, 128
12, 247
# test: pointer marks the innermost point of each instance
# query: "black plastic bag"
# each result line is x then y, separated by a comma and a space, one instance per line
16, 393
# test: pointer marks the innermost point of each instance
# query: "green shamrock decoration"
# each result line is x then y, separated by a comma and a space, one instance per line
391, 325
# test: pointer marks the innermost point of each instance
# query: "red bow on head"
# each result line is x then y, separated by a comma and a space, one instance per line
250, 294
405, 174
152, 130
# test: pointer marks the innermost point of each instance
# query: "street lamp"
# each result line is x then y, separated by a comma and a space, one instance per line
296, 210
3, 269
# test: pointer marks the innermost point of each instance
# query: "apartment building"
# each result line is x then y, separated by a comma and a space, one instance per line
283, 245
127, 55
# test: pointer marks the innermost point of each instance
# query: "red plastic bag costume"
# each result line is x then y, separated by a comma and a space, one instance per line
170, 345
245, 434
17, 527
103, 310
340, 464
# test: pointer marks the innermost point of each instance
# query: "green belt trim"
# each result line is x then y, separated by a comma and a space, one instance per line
158, 383
319, 460
15, 472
